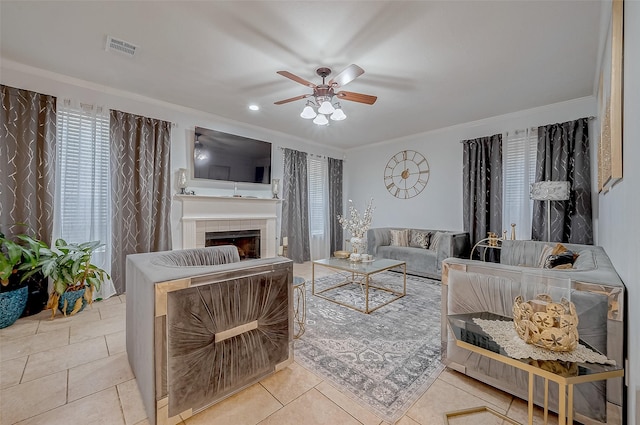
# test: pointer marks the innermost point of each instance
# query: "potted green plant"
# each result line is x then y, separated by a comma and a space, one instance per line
74, 277
19, 261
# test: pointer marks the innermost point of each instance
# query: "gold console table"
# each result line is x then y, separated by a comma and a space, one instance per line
470, 336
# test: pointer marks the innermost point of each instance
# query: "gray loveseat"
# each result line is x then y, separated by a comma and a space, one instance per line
420, 261
594, 287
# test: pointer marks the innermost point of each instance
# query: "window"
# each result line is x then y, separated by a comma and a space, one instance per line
519, 167
318, 202
318, 185
82, 200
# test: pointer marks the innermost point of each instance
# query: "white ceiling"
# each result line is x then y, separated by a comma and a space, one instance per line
431, 64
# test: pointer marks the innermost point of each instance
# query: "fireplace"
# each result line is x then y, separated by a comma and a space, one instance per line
247, 241
202, 214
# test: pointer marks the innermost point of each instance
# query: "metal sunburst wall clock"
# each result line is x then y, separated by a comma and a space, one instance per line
406, 174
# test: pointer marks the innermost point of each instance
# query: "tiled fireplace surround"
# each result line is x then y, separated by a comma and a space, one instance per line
201, 214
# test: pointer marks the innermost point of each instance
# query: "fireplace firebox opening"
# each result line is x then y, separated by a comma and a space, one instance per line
247, 241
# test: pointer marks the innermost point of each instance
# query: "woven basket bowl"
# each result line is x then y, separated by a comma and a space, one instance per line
12, 305
341, 254
544, 323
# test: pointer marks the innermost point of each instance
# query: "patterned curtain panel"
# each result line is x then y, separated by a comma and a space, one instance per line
563, 155
140, 189
335, 204
27, 162
295, 206
482, 186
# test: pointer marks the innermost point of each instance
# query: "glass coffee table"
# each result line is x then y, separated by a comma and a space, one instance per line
360, 273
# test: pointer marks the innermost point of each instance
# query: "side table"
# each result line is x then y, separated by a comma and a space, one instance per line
299, 306
471, 337
485, 244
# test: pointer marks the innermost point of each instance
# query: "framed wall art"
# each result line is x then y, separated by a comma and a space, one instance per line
610, 98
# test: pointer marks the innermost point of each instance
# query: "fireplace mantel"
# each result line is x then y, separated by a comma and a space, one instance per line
202, 213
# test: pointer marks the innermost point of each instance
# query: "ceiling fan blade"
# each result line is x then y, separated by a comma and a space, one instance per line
357, 97
347, 75
297, 79
302, 96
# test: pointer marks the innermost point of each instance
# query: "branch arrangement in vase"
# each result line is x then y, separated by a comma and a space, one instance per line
356, 224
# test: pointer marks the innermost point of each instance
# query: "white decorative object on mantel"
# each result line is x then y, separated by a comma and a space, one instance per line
182, 180
201, 214
275, 188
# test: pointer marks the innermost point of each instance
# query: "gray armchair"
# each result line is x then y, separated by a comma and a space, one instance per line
202, 325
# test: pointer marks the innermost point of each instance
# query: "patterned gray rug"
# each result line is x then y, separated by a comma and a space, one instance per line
384, 360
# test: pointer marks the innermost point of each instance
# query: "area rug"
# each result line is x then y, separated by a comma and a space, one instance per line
384, 360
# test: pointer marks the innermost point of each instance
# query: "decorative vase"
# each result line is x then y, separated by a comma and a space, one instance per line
356, 243
12, 305
71, 297
546, 324
182, 180
38, 294
275, 188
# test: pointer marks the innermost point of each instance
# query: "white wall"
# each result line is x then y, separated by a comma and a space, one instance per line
439, 205
619, 209
182, 135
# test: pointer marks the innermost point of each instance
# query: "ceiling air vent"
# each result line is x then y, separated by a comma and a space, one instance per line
115, 45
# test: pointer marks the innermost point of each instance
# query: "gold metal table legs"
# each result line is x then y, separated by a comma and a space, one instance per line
474, 410
299, 306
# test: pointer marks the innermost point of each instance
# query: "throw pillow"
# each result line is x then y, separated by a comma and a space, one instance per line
400, 237
420, 239
554, 257
564, 259
435, 240
546, 251
559, 249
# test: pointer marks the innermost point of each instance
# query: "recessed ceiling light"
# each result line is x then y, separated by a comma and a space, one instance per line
254, 107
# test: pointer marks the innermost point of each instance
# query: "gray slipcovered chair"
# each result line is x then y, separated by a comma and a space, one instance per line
470, 286
202, 325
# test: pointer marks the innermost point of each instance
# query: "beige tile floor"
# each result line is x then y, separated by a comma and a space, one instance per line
75, 370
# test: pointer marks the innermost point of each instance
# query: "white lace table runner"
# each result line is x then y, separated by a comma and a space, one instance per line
505, 335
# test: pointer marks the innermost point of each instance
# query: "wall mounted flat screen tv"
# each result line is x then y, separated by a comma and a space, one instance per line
223, 156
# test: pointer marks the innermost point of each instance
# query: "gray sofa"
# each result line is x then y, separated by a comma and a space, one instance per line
420, 261
594, 287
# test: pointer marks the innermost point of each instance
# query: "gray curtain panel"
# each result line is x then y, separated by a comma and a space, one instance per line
27, 162
140, 189
482, 186
563, 155
335, 204
295, 206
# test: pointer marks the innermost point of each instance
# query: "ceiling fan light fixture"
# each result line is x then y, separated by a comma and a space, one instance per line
308, 112
339, 114
321, 120
320, 105
326, 108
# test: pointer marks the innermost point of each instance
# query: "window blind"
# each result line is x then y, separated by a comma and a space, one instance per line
82, 175
318, 205
519, 167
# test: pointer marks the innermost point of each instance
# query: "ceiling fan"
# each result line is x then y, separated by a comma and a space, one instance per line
323, 94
